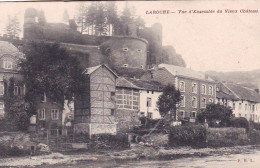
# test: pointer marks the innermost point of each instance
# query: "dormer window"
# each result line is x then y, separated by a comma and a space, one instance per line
8, 64
125, 65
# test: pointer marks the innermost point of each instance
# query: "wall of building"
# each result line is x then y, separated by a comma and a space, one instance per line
246, 109
48, 122
127, 109
153, 109
97, 104
188, 110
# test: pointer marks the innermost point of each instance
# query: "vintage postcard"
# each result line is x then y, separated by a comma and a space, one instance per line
130, 84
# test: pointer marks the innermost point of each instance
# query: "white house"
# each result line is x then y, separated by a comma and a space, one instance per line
149, 95
245, 102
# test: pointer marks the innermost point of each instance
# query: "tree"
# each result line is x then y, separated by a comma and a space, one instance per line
168, 100
12, 28
111, 14
214, 112
81, 17
17, 110
48, 68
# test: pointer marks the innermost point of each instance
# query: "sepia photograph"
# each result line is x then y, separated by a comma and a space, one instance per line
125, 84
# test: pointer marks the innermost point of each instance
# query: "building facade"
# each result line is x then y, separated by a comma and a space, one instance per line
95, 107
245, 102
197, 90
9, 57
127, 105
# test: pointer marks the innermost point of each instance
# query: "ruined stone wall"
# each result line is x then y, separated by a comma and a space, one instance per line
126, 50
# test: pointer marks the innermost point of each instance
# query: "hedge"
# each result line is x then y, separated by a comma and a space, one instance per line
218, 137
191, 135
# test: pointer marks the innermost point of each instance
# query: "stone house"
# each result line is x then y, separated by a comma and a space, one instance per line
245, 102
9, 57
197, 89
49, 114
95, 106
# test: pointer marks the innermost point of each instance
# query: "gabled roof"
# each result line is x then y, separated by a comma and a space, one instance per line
147, 85
129, 72
90, 70
243, 93
185, 72
7, 48
123, 82
229, 96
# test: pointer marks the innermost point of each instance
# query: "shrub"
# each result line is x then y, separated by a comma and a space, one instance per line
254, 125
240, 122
218, 137
6, 151
254, 136
192, 135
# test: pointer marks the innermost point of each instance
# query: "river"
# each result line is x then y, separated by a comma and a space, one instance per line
248, 159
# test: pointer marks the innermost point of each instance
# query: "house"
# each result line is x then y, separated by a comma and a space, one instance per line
95, 106
9, 57
49, 114
149, 95
244, 101
197, 89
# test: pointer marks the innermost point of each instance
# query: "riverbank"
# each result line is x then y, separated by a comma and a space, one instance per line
136, 152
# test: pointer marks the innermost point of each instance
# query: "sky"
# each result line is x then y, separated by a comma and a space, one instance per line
206, 41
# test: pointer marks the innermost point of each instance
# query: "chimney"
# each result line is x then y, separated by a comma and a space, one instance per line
257, 91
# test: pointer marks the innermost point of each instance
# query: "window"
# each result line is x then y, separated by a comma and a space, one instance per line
19, 91
203, 89
194, 88
182, 86
240, 105
239, 115
2, 89
8, 64
234, 106
147, 91
253, 107
210, 100
149, 102
41, 114
245, 115
112, 94
1, 108
203, 103
43, 98
127, 99
112, 111
245, 106
182, 103
181, 114
54, 114
193, 114
194, 102
139, 50
150, 115
210, 90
